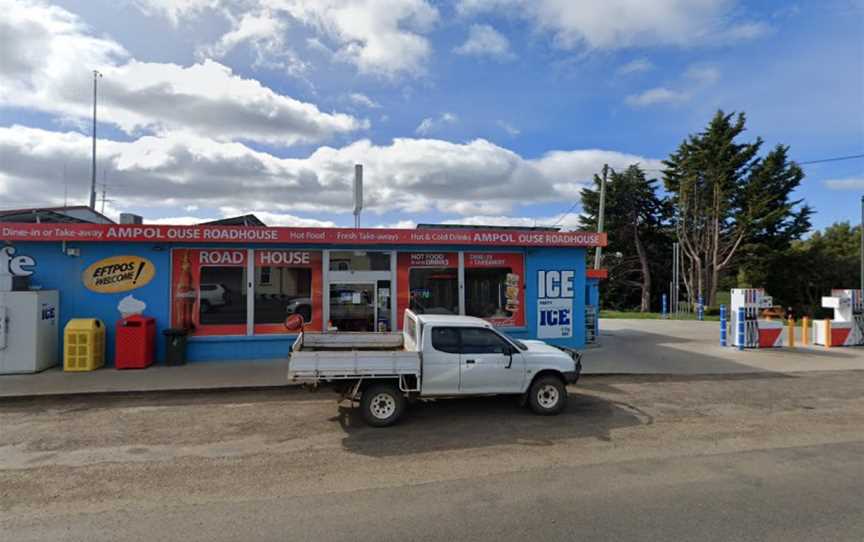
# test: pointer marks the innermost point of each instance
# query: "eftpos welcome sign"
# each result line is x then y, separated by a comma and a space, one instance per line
555, 304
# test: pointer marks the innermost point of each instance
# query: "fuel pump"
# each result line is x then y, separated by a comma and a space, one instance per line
847, 326
746, 306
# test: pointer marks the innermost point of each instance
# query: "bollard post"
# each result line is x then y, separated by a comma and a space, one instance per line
740, 330
805, 328
700, 309
791, 327
827, 333
723, 325
665, 306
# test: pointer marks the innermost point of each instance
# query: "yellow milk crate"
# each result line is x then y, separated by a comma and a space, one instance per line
83, 344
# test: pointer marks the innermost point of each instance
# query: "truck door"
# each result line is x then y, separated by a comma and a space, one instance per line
487, 365
441, 361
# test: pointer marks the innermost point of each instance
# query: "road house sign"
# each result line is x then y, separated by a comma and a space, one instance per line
233, 234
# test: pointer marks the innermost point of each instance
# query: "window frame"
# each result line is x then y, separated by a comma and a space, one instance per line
251, 269
506, 344
458, 333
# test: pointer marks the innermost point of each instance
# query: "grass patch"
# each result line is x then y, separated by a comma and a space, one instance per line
636, 315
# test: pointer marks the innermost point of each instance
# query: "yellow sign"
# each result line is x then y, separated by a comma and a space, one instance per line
118, 274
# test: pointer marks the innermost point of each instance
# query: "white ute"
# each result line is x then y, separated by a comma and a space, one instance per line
435, 356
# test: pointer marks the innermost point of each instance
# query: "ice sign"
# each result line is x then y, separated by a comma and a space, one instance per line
555, 304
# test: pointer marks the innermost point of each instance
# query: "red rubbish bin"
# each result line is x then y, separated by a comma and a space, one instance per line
135, 342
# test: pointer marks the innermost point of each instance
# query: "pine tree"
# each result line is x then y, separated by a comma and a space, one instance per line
728, 200
635, 218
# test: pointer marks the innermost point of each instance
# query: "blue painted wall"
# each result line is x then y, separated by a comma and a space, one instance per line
56, 270
555, 259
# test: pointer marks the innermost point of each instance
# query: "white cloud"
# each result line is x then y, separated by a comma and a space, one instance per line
695, 79
264, 32
655, 96
509, 128
383, 38
433, 124
408, 175
483, 40
639, 65
380, 38
174, 10
848, 183
703, 75
362, 100
48, 55
614, 24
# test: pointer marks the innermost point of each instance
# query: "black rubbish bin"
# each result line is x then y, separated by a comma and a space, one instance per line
175, 346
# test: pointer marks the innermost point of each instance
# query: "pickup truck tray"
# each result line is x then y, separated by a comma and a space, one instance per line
332, 356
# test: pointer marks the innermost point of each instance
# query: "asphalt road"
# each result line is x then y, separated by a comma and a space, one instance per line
743, 457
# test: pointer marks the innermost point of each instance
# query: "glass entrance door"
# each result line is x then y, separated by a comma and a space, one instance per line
360, 306
360, 286
352, 306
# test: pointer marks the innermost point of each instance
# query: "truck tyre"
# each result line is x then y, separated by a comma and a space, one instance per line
382, 405
547, 396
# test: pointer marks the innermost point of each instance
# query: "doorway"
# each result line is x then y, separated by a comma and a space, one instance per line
360, 288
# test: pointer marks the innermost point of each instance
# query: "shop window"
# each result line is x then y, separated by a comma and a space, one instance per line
281, 292
434, 290
359, 260
222, 296
210, 289
288, 291
494, 288
428, 283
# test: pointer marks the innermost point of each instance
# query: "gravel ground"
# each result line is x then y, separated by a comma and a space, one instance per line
67, 464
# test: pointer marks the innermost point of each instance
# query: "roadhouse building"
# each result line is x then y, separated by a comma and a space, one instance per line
245, 292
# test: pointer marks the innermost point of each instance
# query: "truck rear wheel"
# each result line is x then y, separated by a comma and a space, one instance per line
382, 405
547, 395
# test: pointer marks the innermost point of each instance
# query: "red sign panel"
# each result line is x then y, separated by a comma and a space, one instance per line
136, 233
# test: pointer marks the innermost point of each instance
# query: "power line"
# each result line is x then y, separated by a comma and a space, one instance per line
835, 159
570, 210
819, 161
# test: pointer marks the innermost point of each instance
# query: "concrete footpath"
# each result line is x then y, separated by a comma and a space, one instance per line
686, 347
660, 347
194, 376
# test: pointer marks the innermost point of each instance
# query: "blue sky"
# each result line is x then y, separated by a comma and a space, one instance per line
477, 111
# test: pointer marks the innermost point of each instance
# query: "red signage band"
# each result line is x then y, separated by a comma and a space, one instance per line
136, 233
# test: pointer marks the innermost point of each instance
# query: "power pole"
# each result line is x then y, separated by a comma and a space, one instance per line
96, 76
104, 190
598, 252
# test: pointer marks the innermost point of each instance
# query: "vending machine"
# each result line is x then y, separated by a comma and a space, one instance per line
29, 330
755, 332
847, 326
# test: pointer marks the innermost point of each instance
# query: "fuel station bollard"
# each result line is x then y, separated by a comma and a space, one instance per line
805, 331
723, 325
791, 331
827, 333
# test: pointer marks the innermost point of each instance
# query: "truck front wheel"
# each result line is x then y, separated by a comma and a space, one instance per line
547, 395
382, 405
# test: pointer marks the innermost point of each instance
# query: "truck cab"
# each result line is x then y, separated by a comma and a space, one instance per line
463, 355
